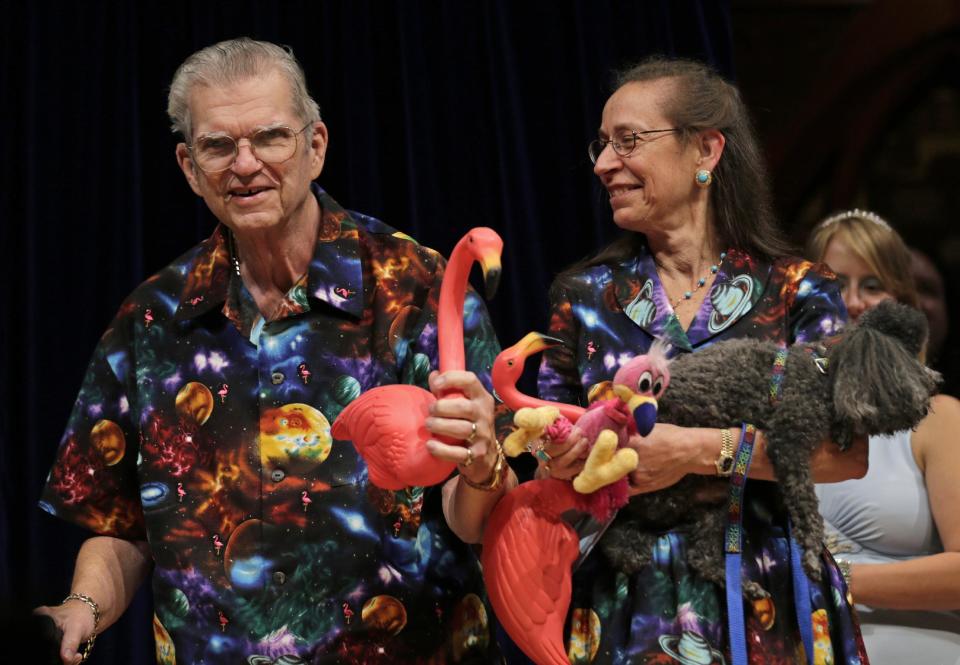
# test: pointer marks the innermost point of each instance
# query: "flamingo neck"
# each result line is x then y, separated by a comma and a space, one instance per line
450, 309
515, 400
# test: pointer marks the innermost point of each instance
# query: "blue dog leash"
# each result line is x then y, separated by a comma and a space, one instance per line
733, 540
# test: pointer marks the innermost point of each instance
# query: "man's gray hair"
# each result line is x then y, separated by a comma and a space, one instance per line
234, 61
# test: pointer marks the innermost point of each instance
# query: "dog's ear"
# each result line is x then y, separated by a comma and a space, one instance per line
878, 385
902, 322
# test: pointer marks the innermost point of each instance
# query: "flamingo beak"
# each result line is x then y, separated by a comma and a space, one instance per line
534, 342
490, 264
643, 408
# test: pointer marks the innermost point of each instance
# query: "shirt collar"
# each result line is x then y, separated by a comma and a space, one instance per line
737, 288
335, 275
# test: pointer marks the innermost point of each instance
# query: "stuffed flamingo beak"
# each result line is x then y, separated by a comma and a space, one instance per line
490, 265
643, 408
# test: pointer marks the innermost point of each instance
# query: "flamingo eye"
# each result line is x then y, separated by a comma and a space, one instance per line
510, 362
658, 386
646, 379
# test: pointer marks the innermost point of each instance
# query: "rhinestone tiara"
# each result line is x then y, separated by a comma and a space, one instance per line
856, 213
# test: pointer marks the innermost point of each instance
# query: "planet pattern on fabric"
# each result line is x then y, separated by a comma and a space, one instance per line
243, 560
470, 626
108, 440
384, 613
584, 635
346, 389
166, 653
194, 402
691, 649
178, 603
765, 611
294, 431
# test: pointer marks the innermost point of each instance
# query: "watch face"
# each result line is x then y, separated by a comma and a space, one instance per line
725, 465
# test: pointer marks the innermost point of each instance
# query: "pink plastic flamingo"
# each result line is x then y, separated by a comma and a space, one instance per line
180, 492
386, 424
224, 389
305, 500
217, 544
528, 548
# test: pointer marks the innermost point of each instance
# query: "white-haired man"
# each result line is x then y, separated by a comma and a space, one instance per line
200, 447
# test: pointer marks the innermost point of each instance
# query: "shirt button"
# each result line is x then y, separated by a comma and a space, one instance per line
279, 577
277, 378
277, 475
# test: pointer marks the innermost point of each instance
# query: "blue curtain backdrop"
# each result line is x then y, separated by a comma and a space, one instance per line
442, 116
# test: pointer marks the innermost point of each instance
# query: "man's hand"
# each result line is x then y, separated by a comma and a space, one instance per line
75, 621
469, 418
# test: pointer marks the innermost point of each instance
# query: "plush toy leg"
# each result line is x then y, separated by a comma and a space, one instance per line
530, 422
605, 464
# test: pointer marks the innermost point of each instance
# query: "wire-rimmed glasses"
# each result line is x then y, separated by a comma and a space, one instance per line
624, 144
216, 152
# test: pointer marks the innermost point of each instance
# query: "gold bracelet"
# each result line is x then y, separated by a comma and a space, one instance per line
92, 604
497, 474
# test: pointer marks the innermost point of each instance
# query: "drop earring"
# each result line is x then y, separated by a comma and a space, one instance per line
703, 178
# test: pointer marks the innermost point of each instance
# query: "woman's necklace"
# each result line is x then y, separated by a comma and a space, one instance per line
687, 295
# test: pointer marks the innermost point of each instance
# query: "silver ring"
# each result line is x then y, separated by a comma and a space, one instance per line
473, 434
467, 462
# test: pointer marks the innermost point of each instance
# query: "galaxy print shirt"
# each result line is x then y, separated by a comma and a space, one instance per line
206, 431
607, 315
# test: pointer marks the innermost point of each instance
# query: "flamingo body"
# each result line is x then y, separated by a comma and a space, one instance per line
386, 424
527, 553
528, 549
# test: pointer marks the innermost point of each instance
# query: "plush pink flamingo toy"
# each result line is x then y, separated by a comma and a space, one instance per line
386, 424
528, 547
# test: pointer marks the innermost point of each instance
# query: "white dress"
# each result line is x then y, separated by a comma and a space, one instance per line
882, 518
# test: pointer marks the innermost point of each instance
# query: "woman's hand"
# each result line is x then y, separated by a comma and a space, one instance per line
667, 454
828, 464
565, 459
468, 418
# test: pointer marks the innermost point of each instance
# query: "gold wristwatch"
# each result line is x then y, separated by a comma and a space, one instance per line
725, 458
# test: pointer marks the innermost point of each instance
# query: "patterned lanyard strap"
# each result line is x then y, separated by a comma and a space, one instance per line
733, 545
818, 354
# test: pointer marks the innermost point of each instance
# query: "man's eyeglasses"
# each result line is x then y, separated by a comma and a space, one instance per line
213, 153
623, 145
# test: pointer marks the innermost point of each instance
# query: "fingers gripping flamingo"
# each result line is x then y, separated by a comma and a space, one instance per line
528, 548
386, 423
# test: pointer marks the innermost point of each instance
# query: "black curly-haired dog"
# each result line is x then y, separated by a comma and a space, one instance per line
867, 380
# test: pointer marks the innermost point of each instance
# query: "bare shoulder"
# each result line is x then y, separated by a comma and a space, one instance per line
936, 434
943, 408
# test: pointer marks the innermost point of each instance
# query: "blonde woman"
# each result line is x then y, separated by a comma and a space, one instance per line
895, 532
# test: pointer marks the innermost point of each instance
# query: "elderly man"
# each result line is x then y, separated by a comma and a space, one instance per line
200, 442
